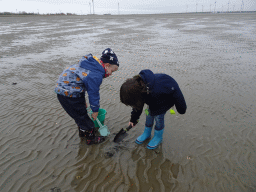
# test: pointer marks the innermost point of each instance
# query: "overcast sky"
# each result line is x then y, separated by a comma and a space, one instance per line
125, 6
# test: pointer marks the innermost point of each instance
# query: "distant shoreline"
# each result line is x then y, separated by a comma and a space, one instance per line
7, 14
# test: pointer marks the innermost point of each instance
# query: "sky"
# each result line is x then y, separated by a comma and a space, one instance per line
114, 7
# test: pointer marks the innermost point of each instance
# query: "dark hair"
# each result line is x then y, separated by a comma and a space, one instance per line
133, 91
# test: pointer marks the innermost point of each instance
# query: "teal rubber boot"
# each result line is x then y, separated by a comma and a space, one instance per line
157, 139
146, 135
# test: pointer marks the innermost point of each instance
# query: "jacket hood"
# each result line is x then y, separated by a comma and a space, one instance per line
148, 77
91, 63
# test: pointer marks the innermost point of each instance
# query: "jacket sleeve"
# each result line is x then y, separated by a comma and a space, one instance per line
135, 115
92, 85
179, 102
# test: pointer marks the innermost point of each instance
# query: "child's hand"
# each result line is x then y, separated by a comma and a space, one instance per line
94, 115
132, 124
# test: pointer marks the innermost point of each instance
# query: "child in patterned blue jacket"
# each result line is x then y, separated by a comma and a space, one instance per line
75, 80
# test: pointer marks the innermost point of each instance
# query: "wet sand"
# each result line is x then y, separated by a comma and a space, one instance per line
210, 148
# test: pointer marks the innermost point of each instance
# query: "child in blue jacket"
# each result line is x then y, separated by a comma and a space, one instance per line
160, 92
86, 76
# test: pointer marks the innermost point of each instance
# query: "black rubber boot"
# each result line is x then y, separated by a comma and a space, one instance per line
91, 138
81, 133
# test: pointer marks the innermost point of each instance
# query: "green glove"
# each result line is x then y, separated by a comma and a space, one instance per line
146, 111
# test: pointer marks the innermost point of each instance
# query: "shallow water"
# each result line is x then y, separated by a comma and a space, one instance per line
210, 148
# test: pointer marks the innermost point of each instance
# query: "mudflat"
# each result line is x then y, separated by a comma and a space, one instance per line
210, 148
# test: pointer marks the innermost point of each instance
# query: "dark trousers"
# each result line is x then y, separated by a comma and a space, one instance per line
76, 109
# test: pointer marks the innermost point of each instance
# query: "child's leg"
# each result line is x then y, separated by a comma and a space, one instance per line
149, 120
76, 109
159, 130
147, 131
159, 122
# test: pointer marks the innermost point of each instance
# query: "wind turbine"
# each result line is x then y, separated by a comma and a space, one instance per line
93, 6
118, 9
242, 6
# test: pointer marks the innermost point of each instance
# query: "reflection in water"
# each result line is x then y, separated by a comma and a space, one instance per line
124, 169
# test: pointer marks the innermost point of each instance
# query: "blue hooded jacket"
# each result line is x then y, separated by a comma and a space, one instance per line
164, 93
87, 75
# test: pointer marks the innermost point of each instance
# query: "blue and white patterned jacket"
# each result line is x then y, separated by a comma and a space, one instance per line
87, 75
